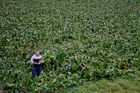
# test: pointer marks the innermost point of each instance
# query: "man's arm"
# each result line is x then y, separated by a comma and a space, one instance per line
32, 58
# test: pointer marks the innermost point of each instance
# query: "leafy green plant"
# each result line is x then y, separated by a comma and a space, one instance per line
80, 40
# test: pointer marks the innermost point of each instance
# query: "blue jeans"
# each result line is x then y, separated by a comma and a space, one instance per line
36, 68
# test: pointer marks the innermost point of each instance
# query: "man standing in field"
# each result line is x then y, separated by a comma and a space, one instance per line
36, 66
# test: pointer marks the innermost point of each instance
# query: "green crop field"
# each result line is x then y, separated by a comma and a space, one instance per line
80, 41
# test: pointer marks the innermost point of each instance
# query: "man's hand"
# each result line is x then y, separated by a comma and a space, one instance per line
35, 63
41, 61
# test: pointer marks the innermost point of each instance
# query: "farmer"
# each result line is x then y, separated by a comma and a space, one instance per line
36, 66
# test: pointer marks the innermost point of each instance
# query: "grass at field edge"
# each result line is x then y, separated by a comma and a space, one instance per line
126, 84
